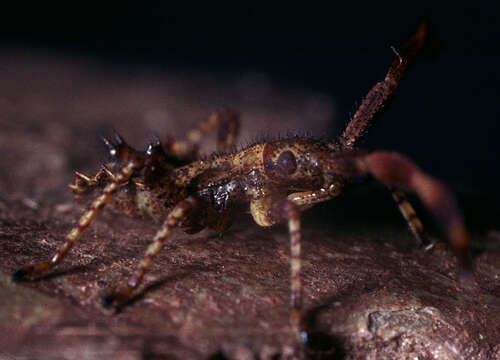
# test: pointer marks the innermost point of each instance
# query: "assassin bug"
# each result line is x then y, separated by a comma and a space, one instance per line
278, 179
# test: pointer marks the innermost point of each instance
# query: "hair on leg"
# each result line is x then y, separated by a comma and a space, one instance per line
378, 96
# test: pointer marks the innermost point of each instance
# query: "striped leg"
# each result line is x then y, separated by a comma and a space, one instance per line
228, 124
178, 213
412, 219
119, 179
372, 104
305, 200
267, 212
395, 170
290, 213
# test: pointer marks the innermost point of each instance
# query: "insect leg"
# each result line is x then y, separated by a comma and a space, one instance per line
74, 235
412, 219
228, 124
306, 199
267, 213
85, 185
289, 212
229, 127
382, 91
178, 213
395, 170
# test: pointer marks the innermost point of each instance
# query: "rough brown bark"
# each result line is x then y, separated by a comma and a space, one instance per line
367, 291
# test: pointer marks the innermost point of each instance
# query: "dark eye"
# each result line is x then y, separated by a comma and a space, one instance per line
286, 162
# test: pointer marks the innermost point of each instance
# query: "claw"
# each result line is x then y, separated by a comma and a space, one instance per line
38, 269
118, 298
20, 274
431, 245
108, 172
73, 187
82, 179
82, 183
108, 301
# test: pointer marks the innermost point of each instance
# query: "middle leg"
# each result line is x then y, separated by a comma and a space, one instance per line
179, 213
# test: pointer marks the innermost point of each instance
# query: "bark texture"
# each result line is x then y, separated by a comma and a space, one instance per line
369, 293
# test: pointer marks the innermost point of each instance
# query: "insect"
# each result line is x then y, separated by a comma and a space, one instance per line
276, 180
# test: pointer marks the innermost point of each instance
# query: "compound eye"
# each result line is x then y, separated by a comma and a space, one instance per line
287, 163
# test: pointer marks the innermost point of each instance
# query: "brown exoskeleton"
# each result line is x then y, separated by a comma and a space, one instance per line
278, 179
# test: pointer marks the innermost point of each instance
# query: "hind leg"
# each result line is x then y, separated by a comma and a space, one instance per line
382, 91
372, 105
414, 223
396, 171
228, 126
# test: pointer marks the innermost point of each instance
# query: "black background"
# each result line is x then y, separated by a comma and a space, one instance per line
444, 116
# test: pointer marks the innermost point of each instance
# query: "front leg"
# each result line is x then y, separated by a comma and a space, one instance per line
267, 212
85, 220
307, 199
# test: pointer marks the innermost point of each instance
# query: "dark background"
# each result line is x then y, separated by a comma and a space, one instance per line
444, 116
